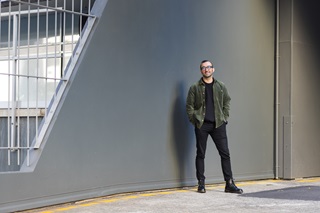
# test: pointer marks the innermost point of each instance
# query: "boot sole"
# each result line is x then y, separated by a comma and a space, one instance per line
235, 192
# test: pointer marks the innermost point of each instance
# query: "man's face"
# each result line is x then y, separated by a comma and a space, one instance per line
207, 69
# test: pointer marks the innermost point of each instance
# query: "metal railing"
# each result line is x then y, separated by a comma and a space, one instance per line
40, 42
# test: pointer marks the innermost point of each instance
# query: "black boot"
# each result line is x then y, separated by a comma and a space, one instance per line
232, 188
201, 186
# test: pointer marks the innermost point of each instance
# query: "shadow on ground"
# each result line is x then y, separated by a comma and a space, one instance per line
307, 193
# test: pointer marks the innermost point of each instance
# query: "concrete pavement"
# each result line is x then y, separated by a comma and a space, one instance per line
259, 196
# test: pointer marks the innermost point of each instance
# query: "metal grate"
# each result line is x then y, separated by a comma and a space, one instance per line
40, 41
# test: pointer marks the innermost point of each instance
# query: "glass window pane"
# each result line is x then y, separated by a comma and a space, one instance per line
4, 83
34, 89
4, 32
43, 51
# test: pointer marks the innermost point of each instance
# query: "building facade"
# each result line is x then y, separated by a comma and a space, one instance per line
93, 94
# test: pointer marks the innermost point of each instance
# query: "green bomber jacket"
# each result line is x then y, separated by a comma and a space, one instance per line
196, 103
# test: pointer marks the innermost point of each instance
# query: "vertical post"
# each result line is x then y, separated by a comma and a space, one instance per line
80, 20
89, 7
285, 89
18, 84
28, 89
72, 30
64, 39
37, 68
276, 123
287, 147
46, 69
55, 50
9, 86
13, 82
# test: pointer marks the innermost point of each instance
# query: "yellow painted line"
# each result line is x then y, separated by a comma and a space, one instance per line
253, 183
148, 194
182, 190
130, 197
66, 208
214, 186
109, 201
89, 204
309, 180
164, 193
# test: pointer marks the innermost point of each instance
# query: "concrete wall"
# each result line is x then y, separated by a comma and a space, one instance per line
306, 87
123, 127
299, 86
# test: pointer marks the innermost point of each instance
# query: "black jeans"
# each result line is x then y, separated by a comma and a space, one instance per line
219, 136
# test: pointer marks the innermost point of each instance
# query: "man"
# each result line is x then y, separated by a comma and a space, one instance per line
208, 105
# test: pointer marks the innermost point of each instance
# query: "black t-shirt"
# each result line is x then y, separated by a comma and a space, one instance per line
209, 116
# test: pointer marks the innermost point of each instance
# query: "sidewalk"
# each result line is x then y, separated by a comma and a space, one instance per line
259, 196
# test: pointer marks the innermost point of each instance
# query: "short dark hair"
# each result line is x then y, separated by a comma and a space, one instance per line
204, 61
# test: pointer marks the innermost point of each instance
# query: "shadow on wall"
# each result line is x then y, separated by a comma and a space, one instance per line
183, 140
310, 17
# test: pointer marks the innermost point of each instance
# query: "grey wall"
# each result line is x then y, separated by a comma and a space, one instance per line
123, 126
306, 87
299, 128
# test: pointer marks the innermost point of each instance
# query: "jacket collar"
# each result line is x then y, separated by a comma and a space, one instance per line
202, 83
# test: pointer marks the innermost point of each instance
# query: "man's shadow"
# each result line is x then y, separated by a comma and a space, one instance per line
183, 137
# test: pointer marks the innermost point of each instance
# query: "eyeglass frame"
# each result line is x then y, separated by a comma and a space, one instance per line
207, 67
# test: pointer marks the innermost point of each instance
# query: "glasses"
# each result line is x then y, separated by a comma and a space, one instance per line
207, 67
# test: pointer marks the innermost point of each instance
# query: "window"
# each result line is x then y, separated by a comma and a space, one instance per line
40, 44
35, 48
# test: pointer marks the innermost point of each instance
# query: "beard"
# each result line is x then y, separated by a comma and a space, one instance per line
207, 76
